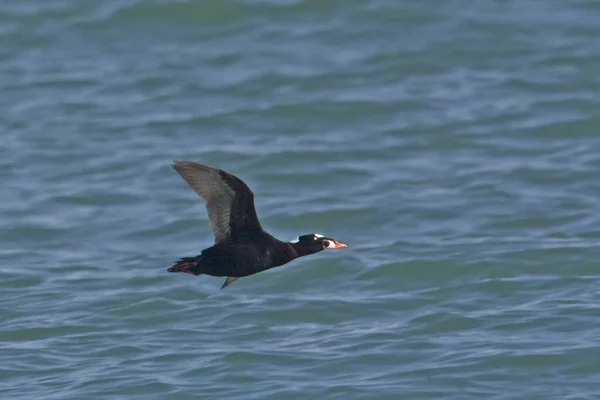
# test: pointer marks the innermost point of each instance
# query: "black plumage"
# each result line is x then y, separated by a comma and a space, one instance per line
241, 246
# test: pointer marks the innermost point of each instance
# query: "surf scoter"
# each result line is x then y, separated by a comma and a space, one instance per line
242, 247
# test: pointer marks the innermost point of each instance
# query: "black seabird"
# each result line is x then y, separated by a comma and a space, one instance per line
242, 247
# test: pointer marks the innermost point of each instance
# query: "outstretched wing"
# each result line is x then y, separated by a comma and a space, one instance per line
228, 281
229, 201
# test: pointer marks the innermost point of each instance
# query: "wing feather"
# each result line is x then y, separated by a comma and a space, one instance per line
229, 201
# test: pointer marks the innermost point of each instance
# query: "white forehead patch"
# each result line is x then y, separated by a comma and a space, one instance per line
315, 237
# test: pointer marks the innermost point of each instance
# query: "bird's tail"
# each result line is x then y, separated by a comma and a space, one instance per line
189, 265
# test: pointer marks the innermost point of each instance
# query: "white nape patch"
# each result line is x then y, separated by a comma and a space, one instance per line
295, 240
318, 235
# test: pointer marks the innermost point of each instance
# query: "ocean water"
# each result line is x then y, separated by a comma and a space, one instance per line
454, 146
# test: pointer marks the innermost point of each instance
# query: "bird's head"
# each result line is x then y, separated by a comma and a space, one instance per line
314, 242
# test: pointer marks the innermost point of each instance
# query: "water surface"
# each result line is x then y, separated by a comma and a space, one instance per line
454, 147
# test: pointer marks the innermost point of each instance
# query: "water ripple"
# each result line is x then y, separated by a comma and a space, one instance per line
453, 148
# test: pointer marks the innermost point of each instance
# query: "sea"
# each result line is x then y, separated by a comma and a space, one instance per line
454, 146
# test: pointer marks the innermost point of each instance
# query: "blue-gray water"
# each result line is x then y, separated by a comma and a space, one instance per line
454, 146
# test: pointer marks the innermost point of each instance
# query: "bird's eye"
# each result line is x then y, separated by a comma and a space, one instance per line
325, 244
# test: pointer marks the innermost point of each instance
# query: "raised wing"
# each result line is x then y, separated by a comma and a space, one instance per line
229, 201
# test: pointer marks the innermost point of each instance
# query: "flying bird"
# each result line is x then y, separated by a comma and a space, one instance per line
242, 247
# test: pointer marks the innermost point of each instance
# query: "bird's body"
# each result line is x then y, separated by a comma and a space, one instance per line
242, 247
243, 258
